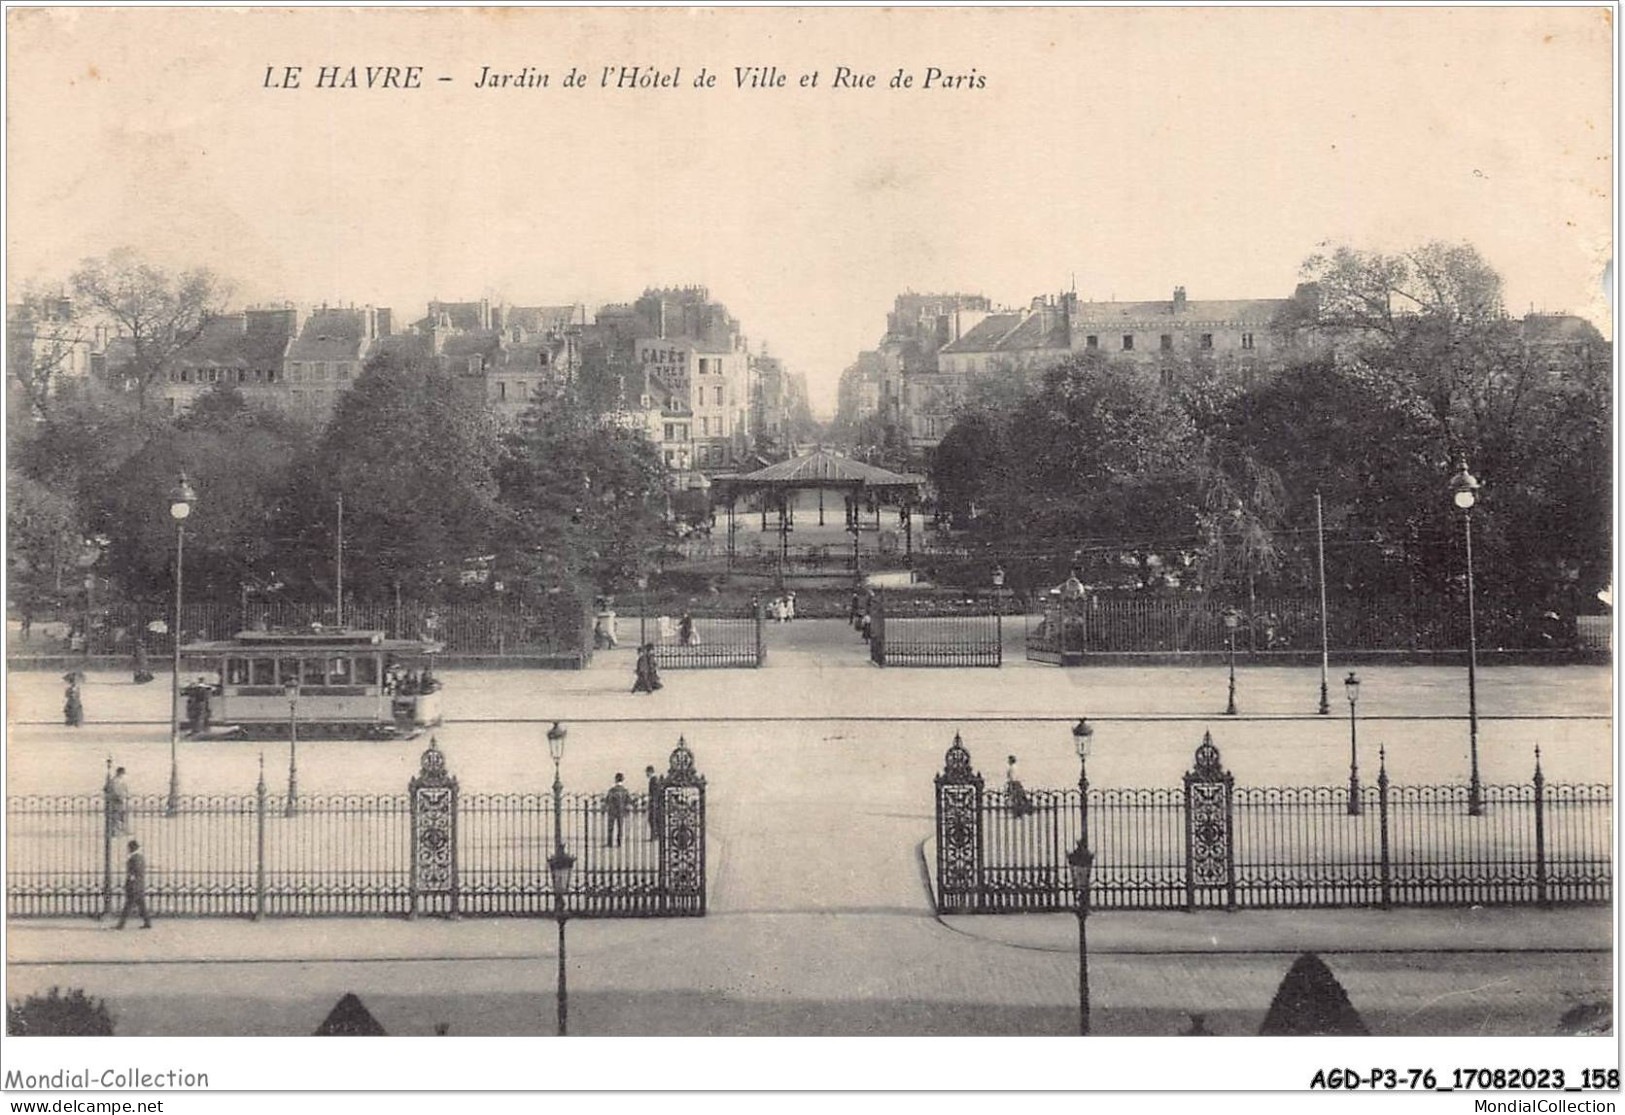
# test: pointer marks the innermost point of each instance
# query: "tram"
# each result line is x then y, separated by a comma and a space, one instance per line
335, 683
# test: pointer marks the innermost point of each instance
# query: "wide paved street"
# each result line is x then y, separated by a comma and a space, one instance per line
820, 811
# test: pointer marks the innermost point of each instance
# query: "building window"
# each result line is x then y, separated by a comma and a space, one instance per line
1091, 341
670, 435
705, 427
502, 391
1247, 341
320, 368
1128, 342
669, 457
1167, 342
344, 371
1207, 340
270, 375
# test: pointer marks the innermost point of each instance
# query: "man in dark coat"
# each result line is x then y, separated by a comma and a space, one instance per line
657, 801
616, 802
73, 708
135, 887
142, 671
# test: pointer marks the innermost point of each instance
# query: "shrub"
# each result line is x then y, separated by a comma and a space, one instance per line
57, 1015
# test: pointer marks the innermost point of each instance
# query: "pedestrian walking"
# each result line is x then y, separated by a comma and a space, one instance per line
856, 614
605, 631
686, 635
197, 706
616, 803
135, 887
73, 708
1021, 804
648, 672
118, 803
656, 803
141, 669
789, 606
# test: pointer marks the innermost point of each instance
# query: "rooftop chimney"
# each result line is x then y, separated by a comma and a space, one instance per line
1179, 300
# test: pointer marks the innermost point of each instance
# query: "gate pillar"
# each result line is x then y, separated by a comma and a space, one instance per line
682, 835
959, 833
432, 796
1210, 853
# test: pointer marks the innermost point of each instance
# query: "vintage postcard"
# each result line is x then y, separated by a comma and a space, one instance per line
848, 523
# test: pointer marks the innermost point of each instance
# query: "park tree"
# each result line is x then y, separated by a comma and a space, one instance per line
1424, 337
238, 460
968, 465
1102, 462
159, 313
46, 337
583, 500
44, 537
412, 454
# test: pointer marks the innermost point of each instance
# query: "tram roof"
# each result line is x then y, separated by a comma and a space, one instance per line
326, 638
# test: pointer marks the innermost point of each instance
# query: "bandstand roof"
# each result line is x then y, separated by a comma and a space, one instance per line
819, 469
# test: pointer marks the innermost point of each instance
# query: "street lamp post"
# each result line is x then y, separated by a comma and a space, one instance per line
1080, 862
1351, 686
1464, 488
1325, 656
1232, 620
998, 608
181, 500
290, 690
643, 609
1083, 734
559, 865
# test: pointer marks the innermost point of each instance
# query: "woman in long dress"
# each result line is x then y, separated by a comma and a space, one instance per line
1015, 793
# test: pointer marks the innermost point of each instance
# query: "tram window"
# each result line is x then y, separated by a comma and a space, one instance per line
287, 670
313, 672
338, 671
263, 671
236, 671
366, 671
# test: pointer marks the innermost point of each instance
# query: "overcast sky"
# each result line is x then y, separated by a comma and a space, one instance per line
1134, 150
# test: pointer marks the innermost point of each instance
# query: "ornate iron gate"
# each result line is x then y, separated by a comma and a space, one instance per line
433, 794
682, 835
959, 833
1210, 857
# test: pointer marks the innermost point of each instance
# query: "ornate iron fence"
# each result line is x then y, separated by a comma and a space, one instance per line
499, 627
706, 641
940, 640
431, 850
1063, 632
1210, 843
